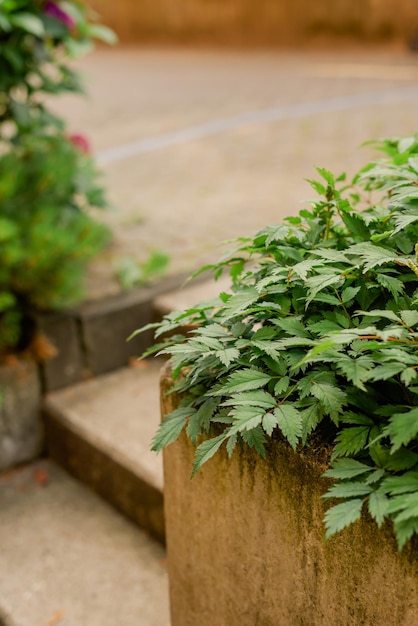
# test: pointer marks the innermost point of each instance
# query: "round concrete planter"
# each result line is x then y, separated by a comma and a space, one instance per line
246, 547
21, 436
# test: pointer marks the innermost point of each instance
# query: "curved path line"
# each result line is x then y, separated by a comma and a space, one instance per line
284, 112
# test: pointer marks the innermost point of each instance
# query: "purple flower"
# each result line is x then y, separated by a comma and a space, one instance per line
54, 10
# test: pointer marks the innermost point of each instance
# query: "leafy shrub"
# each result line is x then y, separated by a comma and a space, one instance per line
48, 181
47, 186
318, 334
37, 37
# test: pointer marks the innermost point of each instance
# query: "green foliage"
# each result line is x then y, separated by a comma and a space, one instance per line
319, 332
46, 234
37, 37
131, 272
48, 181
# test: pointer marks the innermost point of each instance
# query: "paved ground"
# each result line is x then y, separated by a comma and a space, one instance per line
196, 169
67, 558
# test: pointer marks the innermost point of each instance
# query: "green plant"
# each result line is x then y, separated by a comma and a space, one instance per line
47, 187
132, 273
37, 38
317, 337
48, 181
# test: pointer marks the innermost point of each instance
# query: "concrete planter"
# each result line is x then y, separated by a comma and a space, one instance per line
246, 546
21, 436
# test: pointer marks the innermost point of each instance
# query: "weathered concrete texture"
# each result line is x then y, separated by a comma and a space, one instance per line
101, 431
106, 325
245, 547
264, 22
21, 436
68, 558
67, 366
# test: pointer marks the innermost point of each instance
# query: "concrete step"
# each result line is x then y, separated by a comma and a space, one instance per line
68, 558
101, 430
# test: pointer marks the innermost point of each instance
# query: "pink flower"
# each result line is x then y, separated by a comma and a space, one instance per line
81, 142
54, 10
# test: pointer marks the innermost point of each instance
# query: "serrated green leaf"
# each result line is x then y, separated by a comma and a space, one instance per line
326, 175
404, 507
408, 376
239, 302
269, 423
378, 505
281, 386
351, 440
303, 268
375, 476
385, 313
293, 326
404, 530
402, 428
349, 293
171, 427
319, 187
320, 348
255, 438
316, 284
351, 417
393, 285
331, 398
311, 416
348, 490
289, 420
386, 371
324, 327
206, 451
347, 468
374, 256
231, 443
409, 317
403, 221
227, 356
256, 398
356, 225
342, 515
396, 485
245, 418
200, 420
241, 380
356, 370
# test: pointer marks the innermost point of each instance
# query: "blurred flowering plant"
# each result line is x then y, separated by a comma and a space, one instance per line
37, 39
47, 235
48, 179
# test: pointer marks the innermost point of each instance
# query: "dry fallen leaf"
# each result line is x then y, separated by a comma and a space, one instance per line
135, 363
41, 477
55, 619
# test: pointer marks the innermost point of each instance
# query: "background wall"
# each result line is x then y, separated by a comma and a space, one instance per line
260, 22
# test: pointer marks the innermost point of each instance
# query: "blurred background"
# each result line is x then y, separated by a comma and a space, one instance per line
208, 115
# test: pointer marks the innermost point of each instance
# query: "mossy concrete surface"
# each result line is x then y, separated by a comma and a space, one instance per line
101, 431
21, 436
245, 541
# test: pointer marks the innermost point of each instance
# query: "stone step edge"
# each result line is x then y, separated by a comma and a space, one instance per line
91, 338
102, 469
